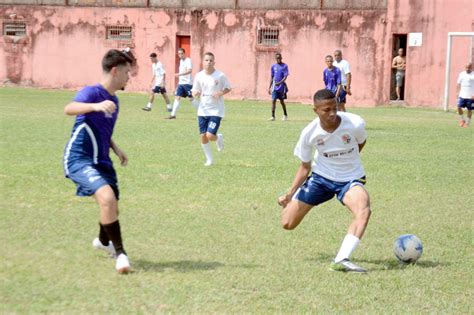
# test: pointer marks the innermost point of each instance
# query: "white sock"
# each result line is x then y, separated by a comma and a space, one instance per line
468, 121
175, 108
195, 103
207, 151
348, 245
149, 105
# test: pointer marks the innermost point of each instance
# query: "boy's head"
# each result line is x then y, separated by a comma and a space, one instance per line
325, 106
208, 61
329, 61
153, 57
116, 65
181, 53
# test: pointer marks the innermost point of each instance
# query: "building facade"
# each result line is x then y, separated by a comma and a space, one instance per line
59, 43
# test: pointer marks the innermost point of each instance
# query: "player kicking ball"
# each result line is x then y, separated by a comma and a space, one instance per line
338, 139
210, 85
86, 157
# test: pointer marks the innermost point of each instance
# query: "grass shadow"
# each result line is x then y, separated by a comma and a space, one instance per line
382, 264
178, 266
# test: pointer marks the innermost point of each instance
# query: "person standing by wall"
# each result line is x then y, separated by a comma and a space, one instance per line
346, 79
465, 89
278, 88
399, 63
159, 79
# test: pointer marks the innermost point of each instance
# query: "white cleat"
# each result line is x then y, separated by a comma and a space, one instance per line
220, 142
169, 108
271, 119
284, 118
122, 265
208, 163
109, 249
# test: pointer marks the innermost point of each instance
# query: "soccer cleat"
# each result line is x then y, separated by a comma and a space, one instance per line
109, 249
208, 163
122, 265
284, 118
462, 123
271, 119
220, 142
147, 109
347, 266
169, 108
171, 117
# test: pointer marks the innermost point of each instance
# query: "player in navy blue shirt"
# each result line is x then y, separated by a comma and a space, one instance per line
86, 157
332, 78
278, 88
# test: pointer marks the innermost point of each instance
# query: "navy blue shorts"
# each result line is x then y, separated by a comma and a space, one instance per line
209, 124
317, 189
184, 90
280, 94
89, 178
465, 103
342, 96
159, 89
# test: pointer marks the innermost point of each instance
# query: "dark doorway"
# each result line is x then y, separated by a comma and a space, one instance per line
398, 41
182, 41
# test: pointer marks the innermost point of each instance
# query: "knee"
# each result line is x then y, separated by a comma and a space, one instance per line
287, 224
364, 214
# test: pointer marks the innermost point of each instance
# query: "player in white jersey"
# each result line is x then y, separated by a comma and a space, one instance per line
159, 82
210, 85
346, 79
334, 169
466, 93
184, 82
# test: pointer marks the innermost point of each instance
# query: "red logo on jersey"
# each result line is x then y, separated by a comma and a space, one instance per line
346, 139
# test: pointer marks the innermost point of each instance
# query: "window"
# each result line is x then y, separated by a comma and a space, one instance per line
118, 32
268, 36
14, 28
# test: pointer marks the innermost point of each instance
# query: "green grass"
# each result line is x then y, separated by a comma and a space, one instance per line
208, 240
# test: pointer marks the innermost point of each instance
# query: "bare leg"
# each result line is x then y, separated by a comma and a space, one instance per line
293, 214
357, 201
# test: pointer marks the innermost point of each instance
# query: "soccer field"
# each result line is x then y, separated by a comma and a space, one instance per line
208, 239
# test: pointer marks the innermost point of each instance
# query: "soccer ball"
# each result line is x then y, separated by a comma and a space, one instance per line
408, 248
169, 108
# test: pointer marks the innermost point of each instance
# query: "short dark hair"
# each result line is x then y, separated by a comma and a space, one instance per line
114, 58
153, 55
181, 49
322, 95
278, 54
329, 56
208, 53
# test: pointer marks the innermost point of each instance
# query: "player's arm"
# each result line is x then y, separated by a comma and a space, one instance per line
121, 155
164, 80
300, 177
221, 93
78, 108
395, 63
282, 80
349, 80
362, 145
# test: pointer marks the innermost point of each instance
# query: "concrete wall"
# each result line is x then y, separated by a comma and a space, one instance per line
65, 44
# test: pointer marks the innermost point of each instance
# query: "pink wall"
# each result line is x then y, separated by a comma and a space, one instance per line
65, 44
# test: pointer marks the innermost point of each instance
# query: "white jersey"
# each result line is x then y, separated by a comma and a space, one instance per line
208, 84
185, 65
337, 154
466, 81
343, 65
158, 72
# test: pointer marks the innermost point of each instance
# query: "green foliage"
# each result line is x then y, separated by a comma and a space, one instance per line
208, 240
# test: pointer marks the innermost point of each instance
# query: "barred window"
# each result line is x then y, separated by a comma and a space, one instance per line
268, 36
118, 32
14, 28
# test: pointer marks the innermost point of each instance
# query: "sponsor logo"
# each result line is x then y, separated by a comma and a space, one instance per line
346, 139
320, 142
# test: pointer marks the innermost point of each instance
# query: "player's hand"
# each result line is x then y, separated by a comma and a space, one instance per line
122, 156
270, 91
284, 200
349, 91
107, 107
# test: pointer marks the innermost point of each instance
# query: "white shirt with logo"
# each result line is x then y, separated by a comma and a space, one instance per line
185, 65
158, 71
335, 155
208, 84
466, 81
343, 65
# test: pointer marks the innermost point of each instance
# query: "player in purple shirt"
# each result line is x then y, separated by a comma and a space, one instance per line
332, 77
278, 88
86, 157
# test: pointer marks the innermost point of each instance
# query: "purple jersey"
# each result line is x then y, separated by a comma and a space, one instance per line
278, 72
332, 78
92, 132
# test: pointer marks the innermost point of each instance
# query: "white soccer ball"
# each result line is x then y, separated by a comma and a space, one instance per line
169, 108
408, 248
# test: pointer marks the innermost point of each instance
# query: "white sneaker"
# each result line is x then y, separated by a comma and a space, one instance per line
109, 249
121, 264
208, 163
271, 119
284, 118
220, 142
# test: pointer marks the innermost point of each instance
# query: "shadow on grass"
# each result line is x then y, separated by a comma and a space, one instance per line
383, 264
183, 265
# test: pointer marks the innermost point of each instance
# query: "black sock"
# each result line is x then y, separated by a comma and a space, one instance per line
103, 238
113, 232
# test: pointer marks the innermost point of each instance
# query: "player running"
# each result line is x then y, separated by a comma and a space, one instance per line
337, 138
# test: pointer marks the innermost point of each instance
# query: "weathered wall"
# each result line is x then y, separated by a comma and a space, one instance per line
64, 45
